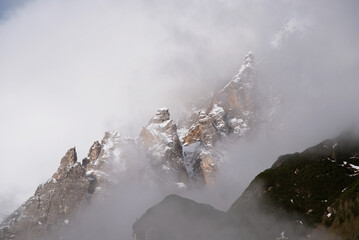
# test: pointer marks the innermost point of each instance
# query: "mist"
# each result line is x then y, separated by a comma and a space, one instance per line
71, 70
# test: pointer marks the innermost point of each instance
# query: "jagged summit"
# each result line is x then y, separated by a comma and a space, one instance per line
157, 155
231, 112
53, 204
68, 161
246, 73
249, 59
70, 158
95, 151
161, 140
162, 115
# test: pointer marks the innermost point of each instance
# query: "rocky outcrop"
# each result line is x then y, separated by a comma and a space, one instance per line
231, 112
95, 151
160, 140
67, 161
56, 202
111, 159
52, 205
238, 97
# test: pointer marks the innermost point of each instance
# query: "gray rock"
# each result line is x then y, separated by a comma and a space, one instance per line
53, 204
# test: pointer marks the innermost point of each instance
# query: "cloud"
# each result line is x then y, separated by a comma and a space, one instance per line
70, 70
291, 25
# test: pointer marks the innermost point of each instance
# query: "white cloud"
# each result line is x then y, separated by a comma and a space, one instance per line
292, 25
70, 70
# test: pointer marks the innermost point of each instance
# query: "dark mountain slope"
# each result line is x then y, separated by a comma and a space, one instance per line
302, 196
178, 218
312, 185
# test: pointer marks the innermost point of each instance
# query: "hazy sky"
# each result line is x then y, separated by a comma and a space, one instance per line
8, 6
72, 69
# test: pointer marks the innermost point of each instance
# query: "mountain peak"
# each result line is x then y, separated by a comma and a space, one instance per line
160, 139
161, 116
165, 160
249, 58
246, 73
69, 158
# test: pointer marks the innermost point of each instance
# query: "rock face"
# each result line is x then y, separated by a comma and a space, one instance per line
236, 103
106, 159
52, 205
161, 140
231, 112
94, 152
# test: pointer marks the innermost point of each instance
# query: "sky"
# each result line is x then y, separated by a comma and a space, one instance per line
71, 70
7, 6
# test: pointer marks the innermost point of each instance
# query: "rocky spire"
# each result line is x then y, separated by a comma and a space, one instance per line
231, 111
66, 162
53, 204
160, 139
247, 72
70, 158
238, 98
94, 151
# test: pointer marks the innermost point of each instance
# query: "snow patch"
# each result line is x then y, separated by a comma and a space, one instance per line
190, 151
282, 236
354, 167
181, 185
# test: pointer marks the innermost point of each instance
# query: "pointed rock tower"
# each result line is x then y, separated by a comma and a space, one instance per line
53, 203
230, 112
160, 139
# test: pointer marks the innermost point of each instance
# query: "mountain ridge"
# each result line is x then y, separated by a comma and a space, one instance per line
167, 159
283, 202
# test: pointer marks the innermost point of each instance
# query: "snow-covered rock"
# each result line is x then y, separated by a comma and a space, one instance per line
108, 159
231, 112
160, 139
